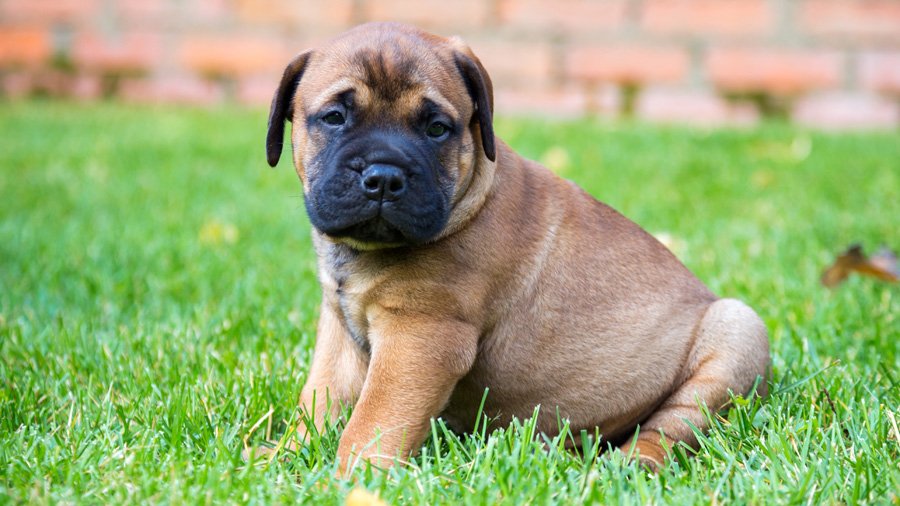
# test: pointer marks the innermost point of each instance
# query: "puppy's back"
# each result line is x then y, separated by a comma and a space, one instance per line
598, 318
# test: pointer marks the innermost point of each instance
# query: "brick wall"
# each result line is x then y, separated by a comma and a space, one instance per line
820, 62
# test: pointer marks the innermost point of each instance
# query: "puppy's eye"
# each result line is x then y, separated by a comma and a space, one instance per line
437, 129
333, 118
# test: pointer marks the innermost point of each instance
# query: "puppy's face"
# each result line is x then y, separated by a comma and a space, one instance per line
388, 125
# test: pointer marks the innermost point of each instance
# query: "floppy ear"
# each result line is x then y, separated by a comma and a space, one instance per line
282, 106
482, 92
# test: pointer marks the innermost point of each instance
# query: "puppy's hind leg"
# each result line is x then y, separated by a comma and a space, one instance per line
731, 350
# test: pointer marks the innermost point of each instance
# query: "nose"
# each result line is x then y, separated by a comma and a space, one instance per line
383, 182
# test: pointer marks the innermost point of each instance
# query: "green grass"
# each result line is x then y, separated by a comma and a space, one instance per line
158, 297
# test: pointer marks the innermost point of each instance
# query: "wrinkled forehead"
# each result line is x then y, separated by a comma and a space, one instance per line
385, 74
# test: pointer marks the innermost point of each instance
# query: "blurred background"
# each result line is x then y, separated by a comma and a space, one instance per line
829, 63
158, 287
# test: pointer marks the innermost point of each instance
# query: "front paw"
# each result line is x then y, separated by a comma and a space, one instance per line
370, 456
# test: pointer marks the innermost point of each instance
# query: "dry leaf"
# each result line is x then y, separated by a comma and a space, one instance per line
675, 244
215, 232
885, 262
882, 265
362, 497
556, 159
762, 178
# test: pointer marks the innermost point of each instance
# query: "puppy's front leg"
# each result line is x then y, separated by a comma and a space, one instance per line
335, 379
336, 375
416, 361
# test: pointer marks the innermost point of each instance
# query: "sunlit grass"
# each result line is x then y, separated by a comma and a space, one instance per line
158, 299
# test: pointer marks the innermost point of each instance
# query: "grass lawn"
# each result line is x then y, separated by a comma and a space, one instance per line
158, 301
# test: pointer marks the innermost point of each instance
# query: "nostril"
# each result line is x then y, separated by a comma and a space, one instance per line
395, 185
372, 182
381, 181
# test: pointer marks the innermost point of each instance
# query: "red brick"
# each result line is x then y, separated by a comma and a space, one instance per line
144, 12
257, 90
858, 18
86, 87
880, 71
563, 15
233, 55
633, 64
690, 106
781, 72
847, 110
294, 46
310, 14
514, 62
189, 14
48, 10
52, 82
15, 84
604, 100
567, 102
707, 16
128, 52
180, 89
205, 11
438, 15
24, 46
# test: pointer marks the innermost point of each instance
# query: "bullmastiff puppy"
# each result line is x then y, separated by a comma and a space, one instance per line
450, 265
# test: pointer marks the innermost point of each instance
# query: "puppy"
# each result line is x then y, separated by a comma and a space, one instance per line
449, 265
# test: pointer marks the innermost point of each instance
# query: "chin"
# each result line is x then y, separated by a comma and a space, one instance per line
367, 246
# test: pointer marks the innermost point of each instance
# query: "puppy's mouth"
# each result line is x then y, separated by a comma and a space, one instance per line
369, 225
373, 231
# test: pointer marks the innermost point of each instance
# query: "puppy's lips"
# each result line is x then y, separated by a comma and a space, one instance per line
353, 217
376, 230
332, 217
374, 222
382, 230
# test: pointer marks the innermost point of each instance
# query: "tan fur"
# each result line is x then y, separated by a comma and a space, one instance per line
534, 290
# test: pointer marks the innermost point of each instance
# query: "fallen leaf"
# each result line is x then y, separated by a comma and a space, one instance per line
785, 151
882, 265
362, 497
215, 232
556, 159
762, 178
675, 244
801, 148
885, 261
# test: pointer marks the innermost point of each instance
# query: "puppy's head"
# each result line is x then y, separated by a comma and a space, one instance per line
389, 126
